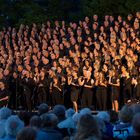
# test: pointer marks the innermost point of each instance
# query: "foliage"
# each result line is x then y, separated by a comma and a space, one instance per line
15, 12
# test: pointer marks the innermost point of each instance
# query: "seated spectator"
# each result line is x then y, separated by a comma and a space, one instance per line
25, 117
136, 128
35, 121
43, 108
68, 123
27, 134
106, 118
124, 128
87, 128
12, 127
48, 130
4, 114
59, 111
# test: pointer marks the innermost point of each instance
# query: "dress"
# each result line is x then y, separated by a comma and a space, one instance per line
57, 96
74, 90
101, 96
87, 94
114, 89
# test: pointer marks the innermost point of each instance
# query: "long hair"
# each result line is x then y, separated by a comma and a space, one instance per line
87, 127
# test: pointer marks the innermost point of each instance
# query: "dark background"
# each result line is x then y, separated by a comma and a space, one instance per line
15, 12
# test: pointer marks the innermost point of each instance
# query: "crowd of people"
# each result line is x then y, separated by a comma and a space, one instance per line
62, 124
92, 63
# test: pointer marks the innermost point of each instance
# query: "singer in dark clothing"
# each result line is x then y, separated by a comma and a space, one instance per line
114, 82
101, 92
4, 95
126, 88
57, 94
87, 94
26, 94
73, 81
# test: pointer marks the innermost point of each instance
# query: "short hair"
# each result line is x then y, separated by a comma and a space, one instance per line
35, 121
85, 111
135, 108
13, 125
136, 123
27, 133
43, 108
49, 120
103, 115
59, 111
5, 113
126, 114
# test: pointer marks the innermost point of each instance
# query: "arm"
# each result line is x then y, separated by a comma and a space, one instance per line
81, 82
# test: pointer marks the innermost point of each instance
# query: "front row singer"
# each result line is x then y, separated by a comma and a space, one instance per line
75, 84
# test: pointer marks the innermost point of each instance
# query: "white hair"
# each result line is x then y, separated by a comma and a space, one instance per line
5, 113
13, 125
85, 111
103, 115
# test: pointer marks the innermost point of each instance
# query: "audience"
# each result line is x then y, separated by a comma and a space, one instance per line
62, 124
27, 133
12, 127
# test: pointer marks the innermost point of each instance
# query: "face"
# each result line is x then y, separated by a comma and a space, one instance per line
2, 85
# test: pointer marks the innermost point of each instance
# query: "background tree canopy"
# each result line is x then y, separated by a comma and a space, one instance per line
15, 12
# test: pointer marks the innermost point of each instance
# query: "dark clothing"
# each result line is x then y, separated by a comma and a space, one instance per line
127, 89
74, 90
133, 138
57, 96
87, 94
114, 89
4, 93
101, 96
49, 134
26, 94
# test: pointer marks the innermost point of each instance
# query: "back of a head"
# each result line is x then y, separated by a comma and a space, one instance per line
35, 121
5, 113
126, 114
103, 115
59, 111
25, 116
135, 108
85, 111
49, 120
13, 125
136, 123
43, 108
27, 133
87, 127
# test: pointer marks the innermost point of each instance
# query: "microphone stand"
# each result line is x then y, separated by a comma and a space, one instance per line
16, 95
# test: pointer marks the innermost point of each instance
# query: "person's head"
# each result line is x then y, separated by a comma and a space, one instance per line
59, 111
136, 123
103, 115
126, 114
85, 111
43, 108
69, 113
27, 133
49, 120
35, 121
87, 127
5, 113
13, 125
